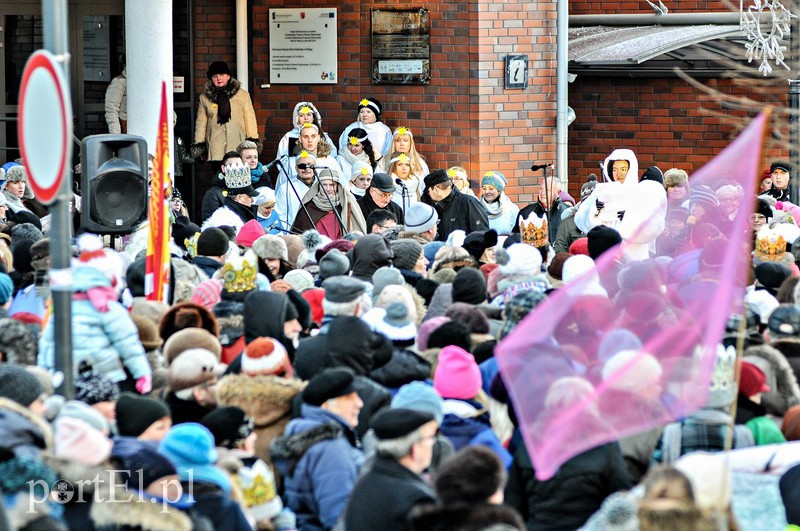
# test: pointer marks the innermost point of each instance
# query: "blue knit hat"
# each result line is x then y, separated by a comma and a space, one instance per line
496, 179
190, 447
6, 288
420, 396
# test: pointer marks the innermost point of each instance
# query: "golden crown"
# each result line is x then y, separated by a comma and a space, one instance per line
305, 109
364, 102
402, 157
239, 272
303, 154
770, 246
191, 244
451, 173
353, 141
237, 176
402, 131
364, 170
533, 231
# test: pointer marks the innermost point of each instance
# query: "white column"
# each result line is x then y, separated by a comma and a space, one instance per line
242, 73
148, 49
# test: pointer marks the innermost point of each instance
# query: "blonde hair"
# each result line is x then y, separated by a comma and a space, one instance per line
413, 154
460, 171
393, 165
6, 257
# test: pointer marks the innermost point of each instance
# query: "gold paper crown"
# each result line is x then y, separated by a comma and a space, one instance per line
402, 157
533, 231
191, 244
303, 154
402, 131
489, 174
353, 141
770, 246
305, 109
237, 176
239, 272
309, 125
451, 173
364, 102
364, 170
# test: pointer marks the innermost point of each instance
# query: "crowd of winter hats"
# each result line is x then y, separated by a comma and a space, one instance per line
272, 354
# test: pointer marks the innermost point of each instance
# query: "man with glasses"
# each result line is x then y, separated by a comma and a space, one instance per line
379, 195
455, 209
384, 496
287, 202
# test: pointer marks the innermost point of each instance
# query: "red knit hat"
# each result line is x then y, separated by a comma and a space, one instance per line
314, 298
250, 232
752, 380
266, 356
580, 246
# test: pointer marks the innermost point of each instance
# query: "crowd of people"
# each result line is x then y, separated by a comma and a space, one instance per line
333, 350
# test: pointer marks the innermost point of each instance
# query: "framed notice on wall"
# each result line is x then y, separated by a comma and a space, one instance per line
401, 46
302, 46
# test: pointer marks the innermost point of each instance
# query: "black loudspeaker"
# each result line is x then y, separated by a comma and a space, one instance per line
114, 183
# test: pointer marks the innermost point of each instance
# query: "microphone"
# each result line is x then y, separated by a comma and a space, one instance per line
537, 167
269, 166
400, 182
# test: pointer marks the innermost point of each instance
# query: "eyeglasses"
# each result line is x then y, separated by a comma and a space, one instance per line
383, 195
443, 187
303, 166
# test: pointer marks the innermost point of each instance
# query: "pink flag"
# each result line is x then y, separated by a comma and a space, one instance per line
584, 369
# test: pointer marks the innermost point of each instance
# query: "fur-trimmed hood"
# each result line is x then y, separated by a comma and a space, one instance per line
781, 379
287, 450
230, 89
463, 517
142, 514
23, 427
264, 398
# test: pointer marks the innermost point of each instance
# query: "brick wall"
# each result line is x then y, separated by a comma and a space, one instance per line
464, 116
663, 120
585, 7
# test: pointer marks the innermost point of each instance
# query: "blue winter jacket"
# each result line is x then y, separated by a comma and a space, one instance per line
107, 340
319, 459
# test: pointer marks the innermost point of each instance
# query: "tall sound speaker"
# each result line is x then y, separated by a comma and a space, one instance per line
113, 183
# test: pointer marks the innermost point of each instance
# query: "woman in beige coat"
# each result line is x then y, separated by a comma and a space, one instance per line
225, 116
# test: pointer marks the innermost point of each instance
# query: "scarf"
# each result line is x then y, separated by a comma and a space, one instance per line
356, 191
14, 203
224, 107
320, 200
351, 159
375, 132
496, 209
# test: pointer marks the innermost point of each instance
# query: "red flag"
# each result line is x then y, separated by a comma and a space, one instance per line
584, 369
156, 285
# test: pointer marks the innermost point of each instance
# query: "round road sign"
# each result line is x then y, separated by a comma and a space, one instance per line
45, 124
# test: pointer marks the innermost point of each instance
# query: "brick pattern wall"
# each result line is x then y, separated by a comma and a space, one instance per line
584, 7
664, 121
464, 116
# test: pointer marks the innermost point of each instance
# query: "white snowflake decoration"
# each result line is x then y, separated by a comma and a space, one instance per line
763, 45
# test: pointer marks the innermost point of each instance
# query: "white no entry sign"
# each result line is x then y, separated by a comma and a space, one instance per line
45, 124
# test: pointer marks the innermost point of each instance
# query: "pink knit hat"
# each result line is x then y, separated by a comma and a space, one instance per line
250, 232
80, 442
427, 328
457, 375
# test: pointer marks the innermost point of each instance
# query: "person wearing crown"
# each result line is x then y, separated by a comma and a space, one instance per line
225, 115
548, 202
325, 195
289, 194
403, 142
460, 179
304, 113
409, 192
502, 212
369, 119
240, 193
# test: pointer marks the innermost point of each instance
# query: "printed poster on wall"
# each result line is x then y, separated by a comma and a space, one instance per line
302, 46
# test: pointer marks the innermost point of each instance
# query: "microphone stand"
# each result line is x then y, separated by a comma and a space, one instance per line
403, 194
297, 195
330, 201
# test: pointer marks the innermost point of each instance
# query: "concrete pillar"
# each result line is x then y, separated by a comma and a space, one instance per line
148, 48
242, 60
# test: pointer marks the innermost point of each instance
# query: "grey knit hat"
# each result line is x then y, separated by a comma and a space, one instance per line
385, 276
406, 253
19, 385
18, 342
333, 264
